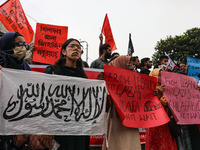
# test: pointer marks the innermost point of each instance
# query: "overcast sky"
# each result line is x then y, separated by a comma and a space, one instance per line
147, 20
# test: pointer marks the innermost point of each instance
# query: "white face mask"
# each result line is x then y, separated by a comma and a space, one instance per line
19, 52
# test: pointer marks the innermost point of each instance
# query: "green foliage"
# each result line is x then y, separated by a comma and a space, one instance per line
179, 47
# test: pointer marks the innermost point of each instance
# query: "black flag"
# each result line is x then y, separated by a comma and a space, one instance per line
130, 46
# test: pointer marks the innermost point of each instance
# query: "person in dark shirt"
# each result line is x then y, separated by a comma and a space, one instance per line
70, 64
145, 65
105, 54
85, 64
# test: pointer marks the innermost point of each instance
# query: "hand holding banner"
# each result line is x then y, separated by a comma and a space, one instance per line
47, 104
133, 96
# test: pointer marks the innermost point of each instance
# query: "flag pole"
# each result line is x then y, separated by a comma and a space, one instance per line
130, 46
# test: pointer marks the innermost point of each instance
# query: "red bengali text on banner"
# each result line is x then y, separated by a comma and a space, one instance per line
48, 42
13, 18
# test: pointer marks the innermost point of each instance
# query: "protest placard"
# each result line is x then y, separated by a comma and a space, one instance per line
194, 67
183, 97
38, 103
133, 96
48, 42
14, 19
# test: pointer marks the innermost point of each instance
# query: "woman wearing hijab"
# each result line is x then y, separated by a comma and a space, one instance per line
70, 64
12, 54
13, 51
119, 136
160, 137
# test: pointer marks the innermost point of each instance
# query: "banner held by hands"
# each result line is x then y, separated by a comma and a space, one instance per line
133, 96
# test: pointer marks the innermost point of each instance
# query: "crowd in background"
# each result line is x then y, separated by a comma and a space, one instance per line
16, 54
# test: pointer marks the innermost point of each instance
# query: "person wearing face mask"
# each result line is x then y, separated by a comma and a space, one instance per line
12, 54
105, 54
13, 51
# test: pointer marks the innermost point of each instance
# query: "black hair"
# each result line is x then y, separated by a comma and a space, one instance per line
181, 63
178, 65
163, 57
62, 60
113, 54
1, 34
143, 60
113, 58
104, 47
133, 59
199, 75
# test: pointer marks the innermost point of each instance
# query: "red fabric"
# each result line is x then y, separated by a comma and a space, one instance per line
13, 18
38, 69
199, 127
34, 142
96, 139
159, 138
90, 73
133, 96
106, 30
48, 42
142, 137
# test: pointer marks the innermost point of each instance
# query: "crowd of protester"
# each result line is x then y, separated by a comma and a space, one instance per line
16, 54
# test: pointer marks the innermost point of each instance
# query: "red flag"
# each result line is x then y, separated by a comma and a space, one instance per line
13, 18
106, 30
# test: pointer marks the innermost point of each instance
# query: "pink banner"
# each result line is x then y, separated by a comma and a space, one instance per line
183, 97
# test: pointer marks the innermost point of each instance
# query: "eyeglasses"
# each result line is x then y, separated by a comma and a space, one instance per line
21, 44
79, 47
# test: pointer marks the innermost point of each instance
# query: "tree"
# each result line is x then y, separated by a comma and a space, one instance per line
179, 47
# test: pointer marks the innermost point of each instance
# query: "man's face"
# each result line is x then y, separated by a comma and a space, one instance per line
108, 53
137, 63
149, 64
182, 66
164, 61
